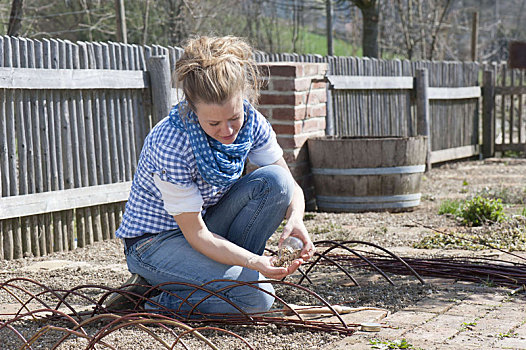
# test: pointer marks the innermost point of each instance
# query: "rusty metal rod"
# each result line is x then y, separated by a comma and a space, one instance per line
334, 245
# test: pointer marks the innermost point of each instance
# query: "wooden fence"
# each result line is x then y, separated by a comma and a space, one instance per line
385, 103
73, 117
505, 109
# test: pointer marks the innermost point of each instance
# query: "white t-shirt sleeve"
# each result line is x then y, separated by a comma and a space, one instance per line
269, 153
265, 149
177, 198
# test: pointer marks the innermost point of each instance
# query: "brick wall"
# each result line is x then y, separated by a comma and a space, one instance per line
295, 105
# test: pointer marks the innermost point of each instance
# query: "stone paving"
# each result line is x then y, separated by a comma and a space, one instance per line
468, 316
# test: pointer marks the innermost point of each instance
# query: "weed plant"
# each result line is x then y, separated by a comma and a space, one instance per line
475, 211
395, 344
487, 226
509, 235
479, 210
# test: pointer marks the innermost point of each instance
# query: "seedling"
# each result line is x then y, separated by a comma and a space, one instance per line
468, 325
395, 344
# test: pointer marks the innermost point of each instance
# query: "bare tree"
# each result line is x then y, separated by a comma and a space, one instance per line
176, 28
406, 20
145, 22
415, 28
371, 17
439, 14
85, 6
15, 19
120, 14
297, 23
418, 29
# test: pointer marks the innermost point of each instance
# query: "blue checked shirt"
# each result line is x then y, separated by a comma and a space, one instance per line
168, 154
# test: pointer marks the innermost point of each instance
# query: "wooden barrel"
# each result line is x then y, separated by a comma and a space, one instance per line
355, 174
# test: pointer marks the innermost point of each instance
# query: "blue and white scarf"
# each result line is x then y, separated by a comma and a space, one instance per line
218, 164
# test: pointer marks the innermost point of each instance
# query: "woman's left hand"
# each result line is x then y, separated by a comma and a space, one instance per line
296, 228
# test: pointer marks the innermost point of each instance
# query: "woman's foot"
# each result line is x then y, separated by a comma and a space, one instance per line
128, 295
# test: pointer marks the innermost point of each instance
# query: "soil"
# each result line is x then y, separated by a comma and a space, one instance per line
103, 264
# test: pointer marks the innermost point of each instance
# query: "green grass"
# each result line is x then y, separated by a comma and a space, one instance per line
313, 43
310, 41
317, 44
513, 154
450, 206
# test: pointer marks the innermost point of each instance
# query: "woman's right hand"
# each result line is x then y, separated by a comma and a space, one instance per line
264, 265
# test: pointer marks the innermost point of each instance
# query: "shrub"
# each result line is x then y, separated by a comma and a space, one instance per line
479, 210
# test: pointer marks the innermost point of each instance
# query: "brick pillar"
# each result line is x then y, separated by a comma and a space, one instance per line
296, 107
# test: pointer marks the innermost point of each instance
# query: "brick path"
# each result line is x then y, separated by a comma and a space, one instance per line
467, 316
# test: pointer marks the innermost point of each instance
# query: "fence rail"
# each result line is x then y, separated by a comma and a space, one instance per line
54, 201
71, 79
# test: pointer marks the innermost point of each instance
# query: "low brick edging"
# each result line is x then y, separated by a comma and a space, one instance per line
294, 101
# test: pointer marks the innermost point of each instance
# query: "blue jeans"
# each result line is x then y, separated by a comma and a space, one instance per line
247, 215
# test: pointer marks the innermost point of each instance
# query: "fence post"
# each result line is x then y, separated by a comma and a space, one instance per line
329, 119
488, 117
160, 85
422, 110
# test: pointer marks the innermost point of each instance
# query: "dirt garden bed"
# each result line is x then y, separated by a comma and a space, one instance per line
103, 263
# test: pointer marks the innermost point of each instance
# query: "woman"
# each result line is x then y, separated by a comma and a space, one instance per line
191, 217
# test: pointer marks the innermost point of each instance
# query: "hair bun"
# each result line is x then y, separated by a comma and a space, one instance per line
213, 69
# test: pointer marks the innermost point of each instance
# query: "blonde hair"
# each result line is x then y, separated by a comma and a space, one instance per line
213, 70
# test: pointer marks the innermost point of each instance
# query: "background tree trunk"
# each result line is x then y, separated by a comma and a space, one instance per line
176, 27
145, 22
15, 19
122, 35
370, 29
